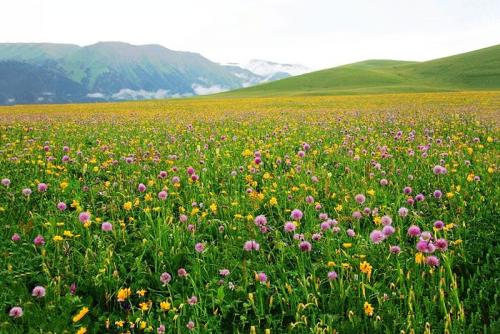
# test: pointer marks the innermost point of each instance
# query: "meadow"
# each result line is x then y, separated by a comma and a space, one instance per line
319, 214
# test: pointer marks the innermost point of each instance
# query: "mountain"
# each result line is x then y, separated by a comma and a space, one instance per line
109, 71
475, 70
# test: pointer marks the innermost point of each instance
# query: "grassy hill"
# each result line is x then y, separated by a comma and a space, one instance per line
475, 70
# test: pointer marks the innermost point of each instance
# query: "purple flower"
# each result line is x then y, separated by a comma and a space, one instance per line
403, 212
260, 220
332, 275
162, 195
38, 292
351, 233
395, 249
5, 182
42, 187
251, 245
165, 278
182, 272
224, 272
107, 226
360, 198
413, 231
61, 206
190, 325
84, 217
305, 246
296, 214
432, 261
141, 187
26, 192
386, 220
199, 247
438, 224
15, 237
16, 312
388, 230
261, 277
39, 240
377, 236
441, 244
193, 300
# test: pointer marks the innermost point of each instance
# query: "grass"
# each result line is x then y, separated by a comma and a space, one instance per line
316, 154
476, 70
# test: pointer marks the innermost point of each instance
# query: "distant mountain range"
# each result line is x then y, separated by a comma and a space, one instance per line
111, 71
475, 70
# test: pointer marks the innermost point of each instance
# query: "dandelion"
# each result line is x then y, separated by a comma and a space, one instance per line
38, 292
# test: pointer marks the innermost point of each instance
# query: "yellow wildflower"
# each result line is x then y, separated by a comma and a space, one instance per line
368, 309
365, 268
165, 306
127, 206
80, 314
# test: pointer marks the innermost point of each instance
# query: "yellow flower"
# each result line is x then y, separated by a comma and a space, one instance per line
127, 206
141, 292
365, 268
68, 234
57, 238
331, 264
213, 207
273, 201
82, 330
80, 314
144, 306
165, 306
123, 294
347, 245
419, 258
371, 192
143, 324
63, 185
119, 323
368, 309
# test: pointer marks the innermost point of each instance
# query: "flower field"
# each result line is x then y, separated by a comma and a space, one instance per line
354, 214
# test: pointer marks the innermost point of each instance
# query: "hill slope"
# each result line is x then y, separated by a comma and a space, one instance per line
476, 70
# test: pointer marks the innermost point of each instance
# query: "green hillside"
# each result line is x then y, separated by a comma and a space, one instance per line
476, 70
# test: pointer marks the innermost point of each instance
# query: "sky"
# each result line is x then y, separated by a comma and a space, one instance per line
315, 33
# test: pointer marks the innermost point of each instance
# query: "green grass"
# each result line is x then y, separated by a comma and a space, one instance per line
476, 70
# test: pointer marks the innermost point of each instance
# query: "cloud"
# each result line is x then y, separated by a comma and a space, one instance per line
203, 90
96, 95
130, 94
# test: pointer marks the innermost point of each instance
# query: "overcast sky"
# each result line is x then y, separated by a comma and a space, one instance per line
316, 33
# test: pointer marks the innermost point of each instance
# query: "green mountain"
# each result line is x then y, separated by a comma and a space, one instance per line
476, 70
112, 71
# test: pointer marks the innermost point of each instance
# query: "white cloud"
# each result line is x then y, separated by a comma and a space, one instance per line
130, 94
96, 95
203, 90
316, 33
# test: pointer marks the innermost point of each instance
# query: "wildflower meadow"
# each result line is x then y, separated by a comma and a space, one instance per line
348, 214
